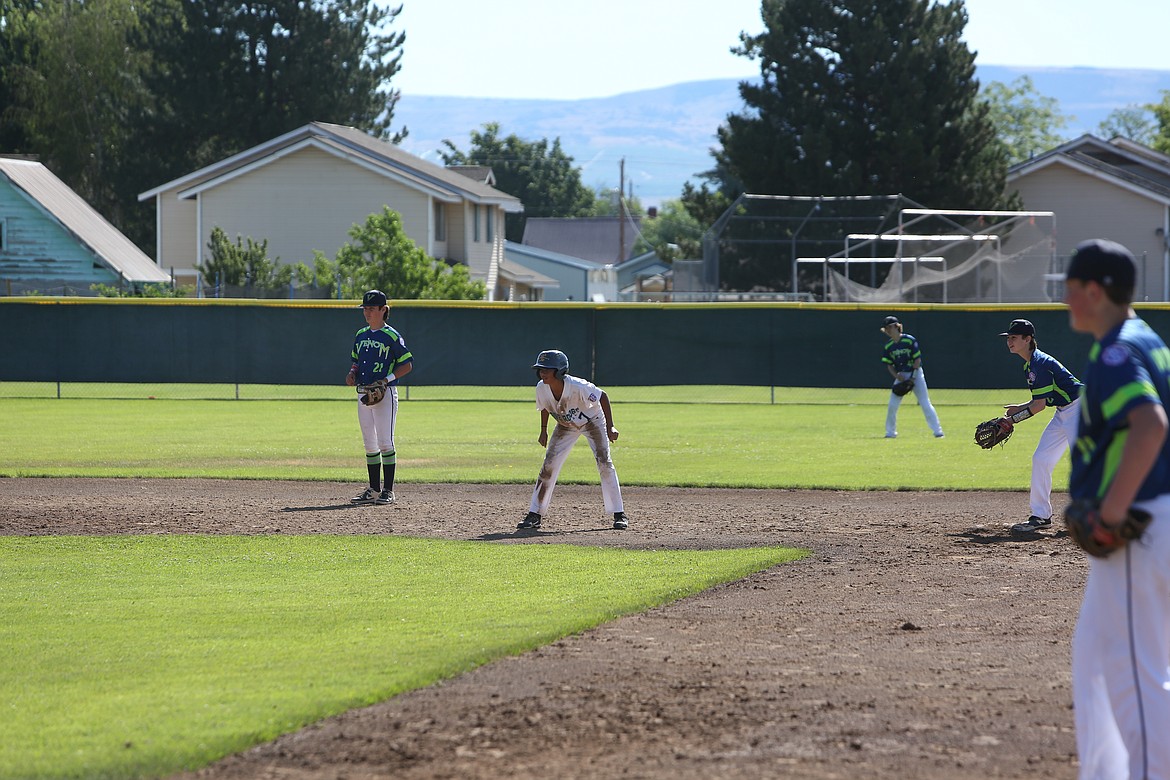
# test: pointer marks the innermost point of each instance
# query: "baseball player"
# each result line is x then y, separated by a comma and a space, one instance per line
1052, 385
903, 359
1121, 645
579, 407
379, 356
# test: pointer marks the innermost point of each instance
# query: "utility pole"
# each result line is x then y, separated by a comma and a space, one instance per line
622, 212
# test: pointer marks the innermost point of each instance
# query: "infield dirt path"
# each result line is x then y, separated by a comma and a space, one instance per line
919, 640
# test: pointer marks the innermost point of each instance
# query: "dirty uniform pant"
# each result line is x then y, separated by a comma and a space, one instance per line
560, 443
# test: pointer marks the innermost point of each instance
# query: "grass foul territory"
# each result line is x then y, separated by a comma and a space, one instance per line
839, 447
142, 656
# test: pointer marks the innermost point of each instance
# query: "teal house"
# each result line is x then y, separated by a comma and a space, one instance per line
54, 243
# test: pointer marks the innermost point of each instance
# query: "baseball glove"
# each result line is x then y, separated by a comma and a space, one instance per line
992, 432
1086, 528
372, 394
902, 387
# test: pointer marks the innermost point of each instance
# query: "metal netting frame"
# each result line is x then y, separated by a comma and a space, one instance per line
918, 214
712, 237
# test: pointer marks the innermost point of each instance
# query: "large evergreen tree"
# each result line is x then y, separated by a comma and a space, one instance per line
857, 97
540, 174
864, 97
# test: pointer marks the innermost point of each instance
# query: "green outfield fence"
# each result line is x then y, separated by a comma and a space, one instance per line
705, 352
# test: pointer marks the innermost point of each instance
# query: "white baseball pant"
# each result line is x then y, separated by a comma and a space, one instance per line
560, 443
923, 396
377, 422
1121, 659
1058, 438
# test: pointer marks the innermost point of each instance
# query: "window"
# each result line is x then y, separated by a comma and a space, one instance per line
489, 218
440, 222
3, 235
475, 222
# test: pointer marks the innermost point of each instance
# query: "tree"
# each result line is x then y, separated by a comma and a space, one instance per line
857, 97
672, 233
119, 96
1132, 122
16, 50
1025, 121
541, 175
1161, 111
383, 257
244, 266
606, 203
75, 87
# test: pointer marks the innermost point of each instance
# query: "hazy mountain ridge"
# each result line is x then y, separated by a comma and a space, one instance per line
665, 134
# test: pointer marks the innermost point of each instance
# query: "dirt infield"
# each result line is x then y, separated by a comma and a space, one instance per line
919, 640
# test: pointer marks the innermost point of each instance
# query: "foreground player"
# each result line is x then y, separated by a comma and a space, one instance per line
1051, 384
903, 359
1121, 646
579, 407
379, 355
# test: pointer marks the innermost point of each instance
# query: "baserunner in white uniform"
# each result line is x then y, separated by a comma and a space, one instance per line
1121, 646
579, 407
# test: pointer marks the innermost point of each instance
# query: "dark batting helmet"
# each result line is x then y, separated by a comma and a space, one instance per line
554, 359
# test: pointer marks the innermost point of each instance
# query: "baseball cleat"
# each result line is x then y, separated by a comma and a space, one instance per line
531, 521
385, 497
367, 496
1033, 524
620, 521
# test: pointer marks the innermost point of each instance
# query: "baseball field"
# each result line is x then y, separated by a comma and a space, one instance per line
186, 587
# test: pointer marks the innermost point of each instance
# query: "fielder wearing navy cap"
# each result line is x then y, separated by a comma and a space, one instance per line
891, 320
1105, 262
374, 298
1019, 328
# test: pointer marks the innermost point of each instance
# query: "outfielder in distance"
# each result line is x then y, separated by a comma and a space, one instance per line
1054, 385
903, 359
579, 407
1121, 461
380, 358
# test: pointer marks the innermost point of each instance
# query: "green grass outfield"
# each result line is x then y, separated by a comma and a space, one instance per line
791, 445
141, 656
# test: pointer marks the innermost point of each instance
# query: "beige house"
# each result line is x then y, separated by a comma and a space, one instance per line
1115, 189
304, 191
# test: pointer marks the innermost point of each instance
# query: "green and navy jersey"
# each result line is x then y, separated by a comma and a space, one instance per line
902, 352
1050, 380
1129, 367
376, 353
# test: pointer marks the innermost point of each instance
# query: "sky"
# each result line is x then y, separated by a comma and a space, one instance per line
548, 49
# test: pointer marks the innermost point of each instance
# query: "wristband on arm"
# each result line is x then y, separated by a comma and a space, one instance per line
1022, 415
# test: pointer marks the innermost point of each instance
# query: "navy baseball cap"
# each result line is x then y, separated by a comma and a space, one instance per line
891, 320
374, 298
1106, 262
1020, 328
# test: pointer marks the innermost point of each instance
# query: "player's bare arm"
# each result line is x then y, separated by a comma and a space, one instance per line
400, 371
610, 431
1034, 407
1147, 433
542, 439
351, 377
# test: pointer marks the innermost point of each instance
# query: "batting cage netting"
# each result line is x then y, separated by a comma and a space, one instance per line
881, 249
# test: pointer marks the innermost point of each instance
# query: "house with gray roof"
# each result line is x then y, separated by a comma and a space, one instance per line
53, 242
1116, 189
304, 190
591, 257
